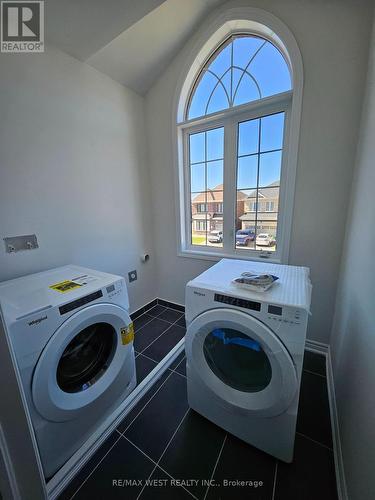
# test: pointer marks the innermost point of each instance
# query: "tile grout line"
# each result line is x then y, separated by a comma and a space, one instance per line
152, 317
314, 441
173, 303
157, 362
151, 398
153, 461
94, 469
165, 331
216, 464
314, 373
121, 434
165, 449
274, 480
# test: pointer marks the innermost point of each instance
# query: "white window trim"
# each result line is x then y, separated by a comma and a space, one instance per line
220, 26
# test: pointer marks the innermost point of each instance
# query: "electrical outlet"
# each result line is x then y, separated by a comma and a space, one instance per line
132, 275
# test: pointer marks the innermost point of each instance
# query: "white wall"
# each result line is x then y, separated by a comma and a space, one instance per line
353, 336
333, 39
73, 169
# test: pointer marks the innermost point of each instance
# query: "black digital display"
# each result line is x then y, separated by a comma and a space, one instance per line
275, 310
80, 302
234, 301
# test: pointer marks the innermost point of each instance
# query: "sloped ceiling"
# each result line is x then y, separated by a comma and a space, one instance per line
130, 41
82, 27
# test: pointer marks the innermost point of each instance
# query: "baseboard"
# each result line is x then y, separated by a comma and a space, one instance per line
156, 301
8, 480
318, 347
342, 492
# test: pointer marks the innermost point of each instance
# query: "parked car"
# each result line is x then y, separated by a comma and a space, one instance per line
215, 237
244, 237
265, 239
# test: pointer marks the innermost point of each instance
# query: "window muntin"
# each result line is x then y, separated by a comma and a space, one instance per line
244, 69
206, 165
252, 180
260, 143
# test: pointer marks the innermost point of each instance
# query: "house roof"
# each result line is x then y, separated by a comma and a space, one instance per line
215, 195
271, 191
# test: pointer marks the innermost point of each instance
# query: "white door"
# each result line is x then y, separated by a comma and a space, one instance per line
82, 361
241, 361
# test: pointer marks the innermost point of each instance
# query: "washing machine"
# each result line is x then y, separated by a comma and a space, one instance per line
72, 339
244, 352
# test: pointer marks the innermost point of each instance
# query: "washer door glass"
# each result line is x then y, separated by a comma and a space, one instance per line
86, 357
237, 360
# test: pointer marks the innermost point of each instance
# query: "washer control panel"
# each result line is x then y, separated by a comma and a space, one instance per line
284, 315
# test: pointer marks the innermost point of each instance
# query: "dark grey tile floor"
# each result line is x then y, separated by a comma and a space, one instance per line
162, 449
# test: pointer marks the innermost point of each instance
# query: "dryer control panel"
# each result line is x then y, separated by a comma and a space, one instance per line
284, 315
235, 301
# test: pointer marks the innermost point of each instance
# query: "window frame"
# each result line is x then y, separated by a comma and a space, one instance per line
229, 119
219, 25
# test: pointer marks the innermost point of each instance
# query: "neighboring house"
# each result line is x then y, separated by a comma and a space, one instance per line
262, 210
207, 210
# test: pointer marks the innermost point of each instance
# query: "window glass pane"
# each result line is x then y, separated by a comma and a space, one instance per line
198, 177
215, 218
244, 48
248, 137
266, 235
272, 132
197, 148
267, 215
222, 62
257, 208
215, 144
246, 219
207, 188
246, 91
247, 172
200, 97
270, 168
215, 175
218, 100
247, 68
271, 71
198, 231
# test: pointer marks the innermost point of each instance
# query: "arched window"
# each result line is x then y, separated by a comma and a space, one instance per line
244, 69
237, 189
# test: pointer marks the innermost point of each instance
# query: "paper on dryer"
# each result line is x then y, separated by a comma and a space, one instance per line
293, 287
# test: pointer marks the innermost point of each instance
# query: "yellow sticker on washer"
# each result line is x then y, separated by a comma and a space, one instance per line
65, 286
127, 334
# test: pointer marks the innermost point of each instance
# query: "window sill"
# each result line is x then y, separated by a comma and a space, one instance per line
202, 255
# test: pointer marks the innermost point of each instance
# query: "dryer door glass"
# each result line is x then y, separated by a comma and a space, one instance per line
86, 357
237, 359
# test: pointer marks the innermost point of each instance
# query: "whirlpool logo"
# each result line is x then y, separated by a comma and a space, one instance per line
37, 321
199, 293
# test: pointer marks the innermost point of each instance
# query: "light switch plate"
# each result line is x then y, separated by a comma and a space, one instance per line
15, 244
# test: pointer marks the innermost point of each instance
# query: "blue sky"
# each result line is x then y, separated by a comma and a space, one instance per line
268, 74
271, 73
268, 154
